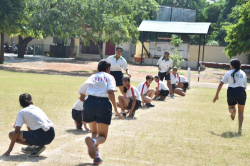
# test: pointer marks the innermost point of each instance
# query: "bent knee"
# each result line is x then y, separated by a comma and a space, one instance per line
11, 134
120, 96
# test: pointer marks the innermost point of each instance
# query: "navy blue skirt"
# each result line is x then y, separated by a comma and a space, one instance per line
118, 75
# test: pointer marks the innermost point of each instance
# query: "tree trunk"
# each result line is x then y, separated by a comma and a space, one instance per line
22, 44
100, 47
72, 47
2, 49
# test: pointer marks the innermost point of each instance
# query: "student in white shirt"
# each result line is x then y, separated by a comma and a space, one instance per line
161, 90
183, 83
40, 128
164, 65
77, 115
147, 94
132, 100
118, 63
99, 88
236, 93
174, 82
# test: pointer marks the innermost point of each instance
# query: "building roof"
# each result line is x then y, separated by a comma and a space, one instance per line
188, 28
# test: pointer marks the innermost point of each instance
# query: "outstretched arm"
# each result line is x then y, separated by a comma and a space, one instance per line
112, 99
13, 141
133, 106
218, 91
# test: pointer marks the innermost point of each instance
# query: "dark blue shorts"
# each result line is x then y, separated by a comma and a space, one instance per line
97, 109
137, 104
173, 87
164, 75
118, 75
164, 92
39, 137
77, 115
236, 95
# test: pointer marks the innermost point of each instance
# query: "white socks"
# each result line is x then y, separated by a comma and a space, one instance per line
94, 141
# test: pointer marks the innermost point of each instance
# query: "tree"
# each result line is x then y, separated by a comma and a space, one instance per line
100, 21
238, 34
12, 14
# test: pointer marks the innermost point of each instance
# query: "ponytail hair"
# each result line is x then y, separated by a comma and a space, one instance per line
236, 65
125, 79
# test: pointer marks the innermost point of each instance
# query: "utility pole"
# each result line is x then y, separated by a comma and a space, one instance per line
171, 11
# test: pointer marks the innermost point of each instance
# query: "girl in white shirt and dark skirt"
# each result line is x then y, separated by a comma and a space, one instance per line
236, 93
118, 63
99, 88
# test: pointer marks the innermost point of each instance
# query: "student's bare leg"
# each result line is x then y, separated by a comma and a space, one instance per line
240, 115
157, 93
121, 90
232, 111
123, 102
180, 85
20, 138
85, 126
179, 92
170, 87
91, 146
147, 99
150, 93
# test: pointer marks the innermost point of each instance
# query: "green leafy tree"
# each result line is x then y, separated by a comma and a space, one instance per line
176, 41
100, 21
176, 56
13, 14
238, 34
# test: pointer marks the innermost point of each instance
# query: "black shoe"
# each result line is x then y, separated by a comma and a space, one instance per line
78, 125
37, 151
184, 90
150, 105
124, 114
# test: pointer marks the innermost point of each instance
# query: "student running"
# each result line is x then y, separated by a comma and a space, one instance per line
183, 83
77, 113
117, 64
40, 128
162, 90
147, 94
99, 88
164, 65
236, 93
132, 100
174, 82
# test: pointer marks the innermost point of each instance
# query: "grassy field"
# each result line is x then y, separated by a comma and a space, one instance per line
185, 131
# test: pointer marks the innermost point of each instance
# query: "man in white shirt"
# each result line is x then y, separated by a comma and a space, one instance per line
161, 90
40, 128
174, 82
77, 115
183, 83
164, 65
147, 94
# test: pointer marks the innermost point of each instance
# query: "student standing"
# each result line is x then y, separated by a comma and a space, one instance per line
147, 94
161, 90
164, 65
236, 93
132, 100
77, 115
118, 63
40, 128
99, 88
174, 82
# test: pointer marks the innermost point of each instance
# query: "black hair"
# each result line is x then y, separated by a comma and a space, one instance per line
175, 68
157, 77
149, 77
25, 100
126, 78
103, 65
166, 52
236, 64
119, 47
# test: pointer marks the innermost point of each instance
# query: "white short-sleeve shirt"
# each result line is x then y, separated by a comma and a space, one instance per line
239, 76
117, 65
133, 91
162, 86
98, 85
182, 79
34, 118
165, 65
78, 105
143, 88
174, 78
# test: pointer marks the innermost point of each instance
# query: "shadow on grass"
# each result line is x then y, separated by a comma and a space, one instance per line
22, 158
77, 131
84, 164
227, 134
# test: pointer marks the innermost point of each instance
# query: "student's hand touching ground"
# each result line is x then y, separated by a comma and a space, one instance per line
120, 115
216, 98
7, 153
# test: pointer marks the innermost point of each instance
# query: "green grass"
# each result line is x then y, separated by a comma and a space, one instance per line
185, 131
